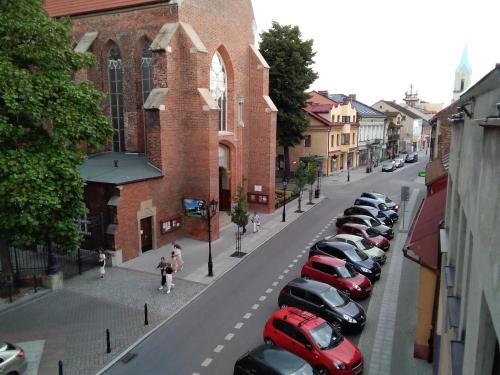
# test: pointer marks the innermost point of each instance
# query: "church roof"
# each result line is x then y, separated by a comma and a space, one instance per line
58, 8
464, 60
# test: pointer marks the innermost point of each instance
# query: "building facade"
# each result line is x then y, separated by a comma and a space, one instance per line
392, 133
187, 93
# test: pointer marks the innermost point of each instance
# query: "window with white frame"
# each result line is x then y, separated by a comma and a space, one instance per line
218, 88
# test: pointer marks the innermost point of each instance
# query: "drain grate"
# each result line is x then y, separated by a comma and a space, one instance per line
128, 357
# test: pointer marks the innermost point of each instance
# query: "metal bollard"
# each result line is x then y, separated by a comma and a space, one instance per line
146, 322
10, 293
35, 283
60, 367
108, 342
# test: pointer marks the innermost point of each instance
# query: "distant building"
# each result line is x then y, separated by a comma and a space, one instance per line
463, 75
392, 131
371, 129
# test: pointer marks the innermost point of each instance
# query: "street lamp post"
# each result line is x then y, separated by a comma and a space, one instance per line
285, 184
318, 185
208, 211
348, 168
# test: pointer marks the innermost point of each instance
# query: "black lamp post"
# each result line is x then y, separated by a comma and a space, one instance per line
208, 211
348, 167
318, 185
285, 183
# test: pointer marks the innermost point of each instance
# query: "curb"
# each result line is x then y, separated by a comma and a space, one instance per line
217, 278
24, 301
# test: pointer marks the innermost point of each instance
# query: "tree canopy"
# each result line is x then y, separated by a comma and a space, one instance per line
45, 118
239, 212
291, 74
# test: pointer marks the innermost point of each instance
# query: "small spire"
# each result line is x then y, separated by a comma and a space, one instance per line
464, 61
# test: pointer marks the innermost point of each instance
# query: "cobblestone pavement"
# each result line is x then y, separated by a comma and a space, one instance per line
73, 321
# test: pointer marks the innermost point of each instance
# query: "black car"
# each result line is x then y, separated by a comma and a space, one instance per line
381, 229
411, 158
361, 262
324, 301
369, 211
381, 197
271, 360
377, 204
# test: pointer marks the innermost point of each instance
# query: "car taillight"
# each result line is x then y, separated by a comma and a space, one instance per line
20, 354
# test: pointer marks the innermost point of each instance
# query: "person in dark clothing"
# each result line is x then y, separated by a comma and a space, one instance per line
162, 266
169, 273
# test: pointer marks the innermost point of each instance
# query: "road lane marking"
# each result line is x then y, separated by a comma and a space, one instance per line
290, 265
309, 244
295, 261
280, 277
218, 348
286, 271
255, 306
229, 336
299, 256
275, 283
206, 362
262, 298
269, 290
304, 251
247, 316
239, 325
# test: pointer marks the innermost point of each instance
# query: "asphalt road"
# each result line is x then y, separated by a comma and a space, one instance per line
228, 318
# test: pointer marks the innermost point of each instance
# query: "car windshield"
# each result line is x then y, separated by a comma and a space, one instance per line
387, 164
388, 200
346, 272
383, 207
334, 298
325, 336
374, 222
356, 255
371, 232
365, 244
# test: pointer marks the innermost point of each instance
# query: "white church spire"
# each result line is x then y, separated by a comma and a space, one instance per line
462, 75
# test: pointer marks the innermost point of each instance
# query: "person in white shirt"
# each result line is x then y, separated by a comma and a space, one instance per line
102, 263
255, 221
177, 261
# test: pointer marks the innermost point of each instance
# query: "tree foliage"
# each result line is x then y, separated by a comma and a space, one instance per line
239, 212
291, 74
45, 117
300, 181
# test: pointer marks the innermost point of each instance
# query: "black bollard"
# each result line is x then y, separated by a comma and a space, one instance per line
60, 368
108, 342
35, 283
10, 293
146, 322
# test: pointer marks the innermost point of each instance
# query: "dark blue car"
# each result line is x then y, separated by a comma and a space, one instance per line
361, 262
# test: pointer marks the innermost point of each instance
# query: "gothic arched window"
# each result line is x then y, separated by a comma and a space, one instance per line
116, 97
218, 88
146, 71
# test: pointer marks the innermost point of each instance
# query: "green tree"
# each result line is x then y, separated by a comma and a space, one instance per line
311, 178
291, 74
45, 118
239, 212
300, 181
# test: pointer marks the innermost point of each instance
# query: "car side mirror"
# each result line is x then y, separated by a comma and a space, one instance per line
309, 346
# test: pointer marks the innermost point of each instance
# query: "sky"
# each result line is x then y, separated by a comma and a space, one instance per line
377, 48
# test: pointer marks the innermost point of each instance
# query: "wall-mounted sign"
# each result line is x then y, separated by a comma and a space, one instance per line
192, 207
258, 198
170, 224
257, 188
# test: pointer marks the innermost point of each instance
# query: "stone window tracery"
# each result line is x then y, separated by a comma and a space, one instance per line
116, 97
218, 88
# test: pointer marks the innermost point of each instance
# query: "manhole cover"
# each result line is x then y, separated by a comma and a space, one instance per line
128, 357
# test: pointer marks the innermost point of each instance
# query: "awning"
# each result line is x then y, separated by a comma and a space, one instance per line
423, 238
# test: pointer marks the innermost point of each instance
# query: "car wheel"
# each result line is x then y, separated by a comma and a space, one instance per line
321, 370
269, 341
346, 292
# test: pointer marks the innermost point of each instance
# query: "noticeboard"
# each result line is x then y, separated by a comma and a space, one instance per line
405, 193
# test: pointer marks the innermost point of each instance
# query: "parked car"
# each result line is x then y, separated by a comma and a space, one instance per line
369, 211
325, 301
368, 221
370, 235
411, 158
361, 262
381, 197
399, 162
337, 273
12, 359
313, 339
377, 204
374, 252
389, 166
271, 359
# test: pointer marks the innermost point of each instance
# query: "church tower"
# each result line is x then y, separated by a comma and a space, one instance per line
462, 75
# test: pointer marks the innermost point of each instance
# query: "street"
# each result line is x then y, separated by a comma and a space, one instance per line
227, 319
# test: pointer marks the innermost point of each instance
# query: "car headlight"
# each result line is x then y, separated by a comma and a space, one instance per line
349, 318
366, 270
396, 207
356, 287
339, 365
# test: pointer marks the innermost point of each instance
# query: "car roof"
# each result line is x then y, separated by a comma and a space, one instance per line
277, 358
298, 317
371, 200
351, 237
342, 246
309, 285
368, 208
331, 261
355, 225
365, 217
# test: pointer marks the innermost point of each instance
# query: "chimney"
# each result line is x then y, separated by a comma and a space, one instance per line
323, 93
352, 96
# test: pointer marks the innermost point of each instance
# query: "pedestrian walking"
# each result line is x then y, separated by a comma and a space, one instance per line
256, 222
102, 263
169, 271
177, 262
162, 265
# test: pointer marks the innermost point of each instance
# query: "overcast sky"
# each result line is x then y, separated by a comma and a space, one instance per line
377, 48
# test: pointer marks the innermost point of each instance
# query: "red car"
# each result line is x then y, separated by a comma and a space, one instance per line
313, 339
337, 273
367, 233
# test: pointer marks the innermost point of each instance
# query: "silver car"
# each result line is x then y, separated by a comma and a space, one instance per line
377, 254
399, 162
389, 166
12, 360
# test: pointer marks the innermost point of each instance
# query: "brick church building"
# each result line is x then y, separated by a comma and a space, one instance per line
187, 93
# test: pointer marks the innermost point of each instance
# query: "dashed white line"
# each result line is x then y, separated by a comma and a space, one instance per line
281, 277
309, 244
286, 271
269, 290
262, 298
290, 265
295, 261
239, 325
275, 283
255, 307
206, 362
247, 316
299, 256
304, 251
218, 348
229, 336
195, 373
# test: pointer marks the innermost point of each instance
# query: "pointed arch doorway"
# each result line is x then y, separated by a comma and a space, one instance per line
224, 179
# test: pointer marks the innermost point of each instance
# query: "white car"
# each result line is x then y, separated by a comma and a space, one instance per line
12, 360
377, 254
